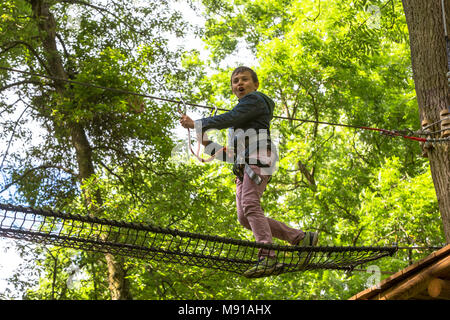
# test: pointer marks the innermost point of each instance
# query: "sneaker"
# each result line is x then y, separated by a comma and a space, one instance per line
264, 267
309, 240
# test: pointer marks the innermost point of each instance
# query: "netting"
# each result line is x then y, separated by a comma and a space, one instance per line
149, 242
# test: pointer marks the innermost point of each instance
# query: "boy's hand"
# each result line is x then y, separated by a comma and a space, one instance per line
187, 122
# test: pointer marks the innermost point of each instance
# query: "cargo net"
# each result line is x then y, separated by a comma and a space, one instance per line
149, 242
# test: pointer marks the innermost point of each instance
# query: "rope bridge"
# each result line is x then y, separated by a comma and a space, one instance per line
149, 242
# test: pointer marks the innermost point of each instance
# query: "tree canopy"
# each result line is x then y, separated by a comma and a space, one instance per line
333, 61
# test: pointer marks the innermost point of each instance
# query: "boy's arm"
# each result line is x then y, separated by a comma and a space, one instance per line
214, 149
249, 107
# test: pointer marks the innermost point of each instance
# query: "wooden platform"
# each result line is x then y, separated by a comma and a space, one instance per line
427, 279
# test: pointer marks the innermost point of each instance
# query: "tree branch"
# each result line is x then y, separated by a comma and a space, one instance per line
29, 171
12, 136
102, 11
308, 175
121, 181
28, 81
347, 212
14, 44
315, 18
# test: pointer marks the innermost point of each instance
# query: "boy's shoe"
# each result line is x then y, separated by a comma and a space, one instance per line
264, 267
309, 240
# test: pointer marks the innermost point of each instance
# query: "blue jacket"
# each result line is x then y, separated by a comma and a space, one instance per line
254, 111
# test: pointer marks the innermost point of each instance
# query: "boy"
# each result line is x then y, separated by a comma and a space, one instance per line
253, 165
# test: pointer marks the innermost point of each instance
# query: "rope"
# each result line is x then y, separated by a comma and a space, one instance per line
406, 134
420, 247
197, 154
148, 242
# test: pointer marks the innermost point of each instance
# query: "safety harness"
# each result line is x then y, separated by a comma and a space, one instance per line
248, 142
243, 159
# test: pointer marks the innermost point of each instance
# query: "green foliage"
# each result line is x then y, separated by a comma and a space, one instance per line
397, 199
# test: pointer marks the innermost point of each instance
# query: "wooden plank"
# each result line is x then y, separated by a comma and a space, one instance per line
412, 286
439, 288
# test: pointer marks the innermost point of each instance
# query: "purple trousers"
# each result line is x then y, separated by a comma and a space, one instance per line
251, 215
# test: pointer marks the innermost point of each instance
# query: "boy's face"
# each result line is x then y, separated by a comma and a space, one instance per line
242, 84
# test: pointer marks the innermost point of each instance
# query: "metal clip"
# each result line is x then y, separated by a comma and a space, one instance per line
214, 113
184, 105
389, 133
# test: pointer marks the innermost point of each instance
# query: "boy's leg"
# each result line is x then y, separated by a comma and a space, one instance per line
251, 207
240, 212
284, 232
263, 228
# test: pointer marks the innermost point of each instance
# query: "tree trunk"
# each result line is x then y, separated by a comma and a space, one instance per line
118, 284
429, 65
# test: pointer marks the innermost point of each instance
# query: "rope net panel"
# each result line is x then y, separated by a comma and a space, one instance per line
170, 245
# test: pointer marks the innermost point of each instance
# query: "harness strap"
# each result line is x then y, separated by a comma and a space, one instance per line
197, 154
252, 174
